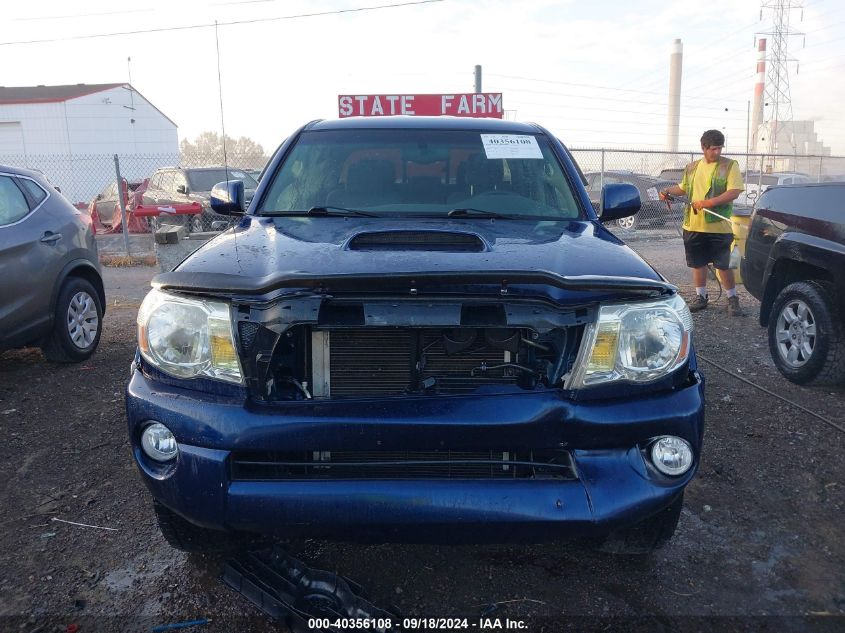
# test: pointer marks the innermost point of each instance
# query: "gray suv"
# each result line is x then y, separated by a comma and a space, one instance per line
51, 288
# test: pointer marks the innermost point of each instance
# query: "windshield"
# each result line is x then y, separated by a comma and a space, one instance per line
422, 172
205, 179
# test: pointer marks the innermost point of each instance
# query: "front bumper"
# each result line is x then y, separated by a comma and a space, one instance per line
615, 484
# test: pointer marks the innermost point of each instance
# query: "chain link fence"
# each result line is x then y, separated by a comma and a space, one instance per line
90, 181
650, 171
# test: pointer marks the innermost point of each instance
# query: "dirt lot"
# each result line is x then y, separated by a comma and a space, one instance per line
760, 545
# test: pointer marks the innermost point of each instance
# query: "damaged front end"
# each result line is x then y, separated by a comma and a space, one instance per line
359, 337
339, 348
454, 410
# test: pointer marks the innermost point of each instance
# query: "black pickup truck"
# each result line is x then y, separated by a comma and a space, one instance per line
795, 265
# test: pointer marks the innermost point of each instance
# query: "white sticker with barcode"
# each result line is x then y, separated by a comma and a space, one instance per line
510, 146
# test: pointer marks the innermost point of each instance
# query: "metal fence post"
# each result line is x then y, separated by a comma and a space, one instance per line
601, 178
821, 165
122, 202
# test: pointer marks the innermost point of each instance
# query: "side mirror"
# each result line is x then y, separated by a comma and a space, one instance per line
618, 200
182, 189
99, 196
227, 198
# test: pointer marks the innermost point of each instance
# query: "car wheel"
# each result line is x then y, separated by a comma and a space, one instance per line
806, 337
646, 536
196, 225
77, 323
183, 535
628, 224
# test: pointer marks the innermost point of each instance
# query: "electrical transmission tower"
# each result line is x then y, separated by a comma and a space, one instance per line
777, 95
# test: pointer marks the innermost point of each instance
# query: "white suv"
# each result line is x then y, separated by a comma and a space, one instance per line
756, 183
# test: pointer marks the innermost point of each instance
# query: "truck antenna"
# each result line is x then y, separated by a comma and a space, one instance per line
220, 93
223, 129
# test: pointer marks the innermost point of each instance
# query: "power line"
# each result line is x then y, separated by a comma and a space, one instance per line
823, 28
230, 23
649, 102
724, 37
836, 40
79, 15
595, 86
657, 122
647, 112
718, 79
614, 99
570, 83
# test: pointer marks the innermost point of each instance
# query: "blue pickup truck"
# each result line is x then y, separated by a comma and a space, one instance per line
418, 331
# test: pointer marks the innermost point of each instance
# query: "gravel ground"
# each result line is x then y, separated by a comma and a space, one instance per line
759, 547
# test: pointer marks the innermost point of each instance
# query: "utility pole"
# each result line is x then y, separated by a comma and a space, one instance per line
478, 79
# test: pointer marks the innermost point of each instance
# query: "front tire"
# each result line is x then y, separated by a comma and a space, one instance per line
183, 535
77, 323
647, 536
806, 337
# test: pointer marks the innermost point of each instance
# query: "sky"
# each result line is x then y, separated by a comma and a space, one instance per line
594, 73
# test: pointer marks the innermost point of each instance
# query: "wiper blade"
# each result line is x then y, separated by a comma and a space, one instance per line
325, 211
469, 211
341, 211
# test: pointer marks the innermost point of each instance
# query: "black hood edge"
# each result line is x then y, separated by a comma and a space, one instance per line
225, 283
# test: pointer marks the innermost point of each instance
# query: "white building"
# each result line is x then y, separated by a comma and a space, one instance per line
798, 147
71, 133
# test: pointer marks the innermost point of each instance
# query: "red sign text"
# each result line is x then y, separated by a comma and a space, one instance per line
483, 104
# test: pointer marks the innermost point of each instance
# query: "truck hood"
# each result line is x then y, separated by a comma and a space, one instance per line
263, 255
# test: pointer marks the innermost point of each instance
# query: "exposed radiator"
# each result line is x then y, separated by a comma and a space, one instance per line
394, 361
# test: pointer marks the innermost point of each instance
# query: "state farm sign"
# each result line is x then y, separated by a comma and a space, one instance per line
483, 104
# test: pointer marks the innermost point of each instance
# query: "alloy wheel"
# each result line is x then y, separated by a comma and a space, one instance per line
627, 223
796, 333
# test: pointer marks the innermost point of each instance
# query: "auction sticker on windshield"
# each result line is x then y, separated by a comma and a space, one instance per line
510, 146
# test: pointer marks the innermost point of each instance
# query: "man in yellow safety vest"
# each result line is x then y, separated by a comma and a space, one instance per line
711, 184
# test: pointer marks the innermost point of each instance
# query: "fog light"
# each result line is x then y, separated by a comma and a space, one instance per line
158, 442
671, 455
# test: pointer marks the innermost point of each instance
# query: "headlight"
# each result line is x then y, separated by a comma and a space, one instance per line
187, 338
636, 342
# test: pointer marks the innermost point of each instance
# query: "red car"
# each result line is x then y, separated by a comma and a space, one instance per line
105, 208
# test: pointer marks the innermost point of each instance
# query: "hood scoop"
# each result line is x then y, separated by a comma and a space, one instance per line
448, 241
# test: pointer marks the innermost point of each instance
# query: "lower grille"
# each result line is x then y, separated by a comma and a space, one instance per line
490, 464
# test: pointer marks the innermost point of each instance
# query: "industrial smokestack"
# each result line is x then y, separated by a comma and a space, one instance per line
759, 89
676, 61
